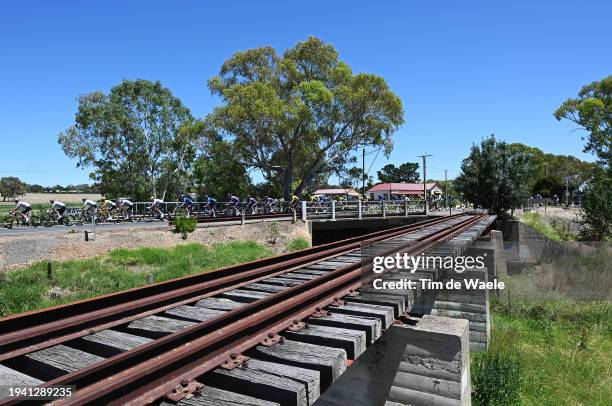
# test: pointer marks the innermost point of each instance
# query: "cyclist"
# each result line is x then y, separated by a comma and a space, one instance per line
89, 206
293, 203
211, 202
186, 202
125, 205
59, 208
232, 202
108, 204
269, 205
156, 205
251, 207
25, 209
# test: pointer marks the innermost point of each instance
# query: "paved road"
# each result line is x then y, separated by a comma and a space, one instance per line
23, 231
62, 229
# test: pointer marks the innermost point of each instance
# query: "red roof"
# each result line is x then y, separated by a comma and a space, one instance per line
335, 192
401, 188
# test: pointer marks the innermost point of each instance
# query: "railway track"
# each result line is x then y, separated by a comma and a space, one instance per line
165, 341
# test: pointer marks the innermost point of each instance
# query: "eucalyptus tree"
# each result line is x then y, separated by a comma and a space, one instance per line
295, 116
134, 138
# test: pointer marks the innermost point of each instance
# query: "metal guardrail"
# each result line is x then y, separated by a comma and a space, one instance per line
359, 209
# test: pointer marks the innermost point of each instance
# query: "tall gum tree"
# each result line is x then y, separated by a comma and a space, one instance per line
301, 114
131, 137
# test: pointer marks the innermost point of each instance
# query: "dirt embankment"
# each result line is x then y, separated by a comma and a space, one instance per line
18, 251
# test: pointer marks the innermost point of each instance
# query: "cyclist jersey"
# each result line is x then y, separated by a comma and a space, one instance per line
90, 203
22, 205
58, 205
270, 200
157, 202
125, 202
234, 199
109, 203
186, 200
252, 200
211, 200
314, 199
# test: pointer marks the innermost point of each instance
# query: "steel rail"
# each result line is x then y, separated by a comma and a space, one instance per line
182, 354
20, 334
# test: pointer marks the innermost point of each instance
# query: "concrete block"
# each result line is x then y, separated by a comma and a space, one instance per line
423, 364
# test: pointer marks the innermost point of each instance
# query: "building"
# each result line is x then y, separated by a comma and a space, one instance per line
388, 190
334, 193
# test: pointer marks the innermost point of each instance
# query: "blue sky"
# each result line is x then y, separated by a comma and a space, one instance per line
463, 70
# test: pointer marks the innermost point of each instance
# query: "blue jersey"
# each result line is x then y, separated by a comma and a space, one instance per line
252, 200
234, 199
187, 200
211, 200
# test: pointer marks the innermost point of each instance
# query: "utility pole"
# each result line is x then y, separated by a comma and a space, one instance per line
567, 191
363, 174
446, 190
425, 156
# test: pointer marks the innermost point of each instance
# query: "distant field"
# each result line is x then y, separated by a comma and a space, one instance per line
41, 200
68, 198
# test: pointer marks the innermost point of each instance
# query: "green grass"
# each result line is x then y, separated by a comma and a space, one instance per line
297, 244
564, 348
29, 289
557, 231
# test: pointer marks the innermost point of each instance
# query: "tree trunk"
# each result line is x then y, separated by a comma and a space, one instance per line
287, 181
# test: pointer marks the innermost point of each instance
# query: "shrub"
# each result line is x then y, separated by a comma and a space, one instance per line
185, 226
496, 379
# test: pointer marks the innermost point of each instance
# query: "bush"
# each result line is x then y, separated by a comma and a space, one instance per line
496, 379
185, 225
597, 208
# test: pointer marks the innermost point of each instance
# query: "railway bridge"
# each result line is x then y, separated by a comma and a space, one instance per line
294, 329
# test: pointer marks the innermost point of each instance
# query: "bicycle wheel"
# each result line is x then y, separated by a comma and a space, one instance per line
68, 220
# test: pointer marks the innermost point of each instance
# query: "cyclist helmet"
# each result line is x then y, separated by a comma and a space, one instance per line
16, 200
51, 201
83, 199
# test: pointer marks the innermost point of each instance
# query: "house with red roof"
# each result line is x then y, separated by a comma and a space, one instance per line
403, 190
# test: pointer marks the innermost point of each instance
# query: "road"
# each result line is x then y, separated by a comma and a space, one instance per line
157, 225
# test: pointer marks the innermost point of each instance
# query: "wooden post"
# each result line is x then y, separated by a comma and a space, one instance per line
49, 271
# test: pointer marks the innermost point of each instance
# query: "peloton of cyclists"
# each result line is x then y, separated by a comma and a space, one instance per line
25, 209
58, 208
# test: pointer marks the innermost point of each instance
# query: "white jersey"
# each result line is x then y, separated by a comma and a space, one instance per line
90, 203
157, 201
22, 205
58, 205
125, 202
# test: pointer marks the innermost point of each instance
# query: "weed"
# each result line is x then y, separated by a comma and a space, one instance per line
297, 244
